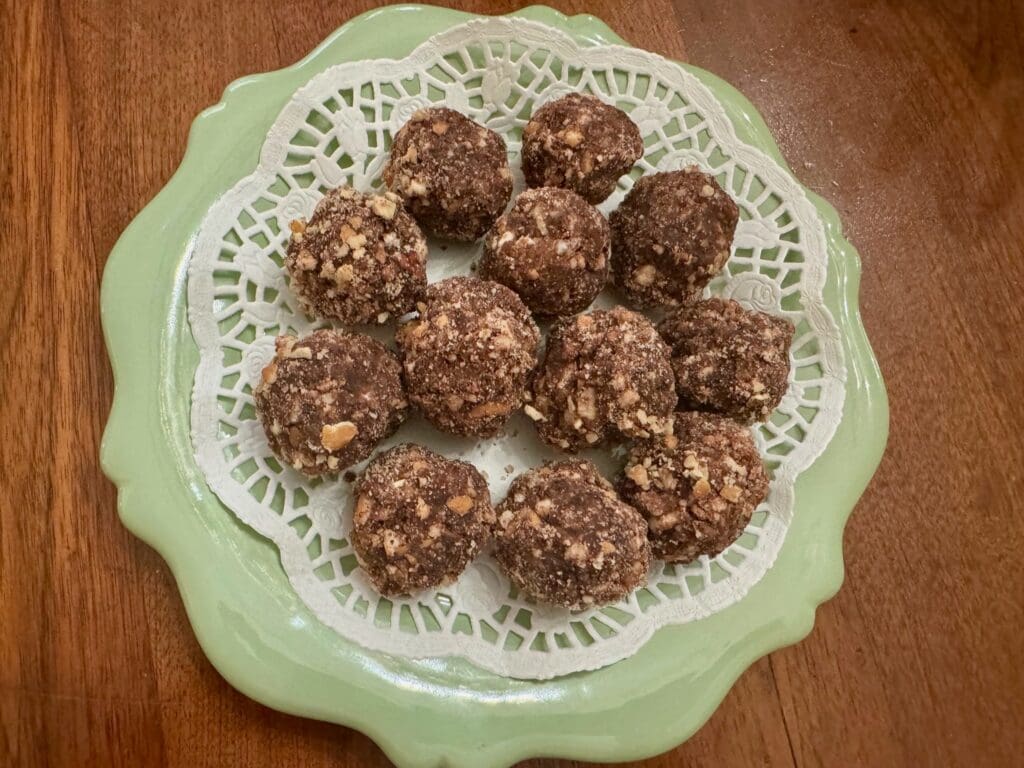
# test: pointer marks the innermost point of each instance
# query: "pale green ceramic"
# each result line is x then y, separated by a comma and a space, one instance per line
255, 629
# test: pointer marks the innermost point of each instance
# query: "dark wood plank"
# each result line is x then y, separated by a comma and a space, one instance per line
77, 677
906, 115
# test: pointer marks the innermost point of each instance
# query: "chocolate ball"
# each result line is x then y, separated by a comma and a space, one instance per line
419, 519
552, 249
327, 399
580, 143
605, 376
468, 355
565, 538
670, 236
697, 487
451, 172
728, 359
359, 259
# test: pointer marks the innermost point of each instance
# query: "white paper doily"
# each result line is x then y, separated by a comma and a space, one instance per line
336, 129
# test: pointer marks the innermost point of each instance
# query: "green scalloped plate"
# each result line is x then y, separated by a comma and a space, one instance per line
255, 629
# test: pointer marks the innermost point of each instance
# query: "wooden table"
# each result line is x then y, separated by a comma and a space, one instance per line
905, 114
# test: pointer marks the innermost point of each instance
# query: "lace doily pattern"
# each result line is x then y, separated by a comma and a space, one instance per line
336, 130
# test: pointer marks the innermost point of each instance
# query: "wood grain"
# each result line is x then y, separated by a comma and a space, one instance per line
905, 114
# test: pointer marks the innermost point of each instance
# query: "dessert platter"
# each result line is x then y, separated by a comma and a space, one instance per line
490, 361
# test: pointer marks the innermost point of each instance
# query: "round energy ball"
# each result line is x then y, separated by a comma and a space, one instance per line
419, 519
452, 173
580, 143
605, 376
327, 399
670, 236
697, 487
359, 259
728, 359
552, 249
565, 538
468, 355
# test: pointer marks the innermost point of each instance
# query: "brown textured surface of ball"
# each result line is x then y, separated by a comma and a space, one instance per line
564, 537
697, 487
552, 249
327, 399
451, 172
359, 259
670, 236
605, 376
580, 143
728, 359
419, 519
468, 355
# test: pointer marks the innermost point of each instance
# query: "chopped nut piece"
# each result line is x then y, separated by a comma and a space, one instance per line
460, 505
489, 409
393, 543
586, 407
422, 509
269, 373
334, 437
384, 207
356, 241
363, 509
344, 274
577, 550
730, 493
638, 474
645, 275
572, 137
533, 413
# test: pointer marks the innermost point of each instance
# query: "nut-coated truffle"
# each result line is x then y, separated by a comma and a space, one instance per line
552, 249
697, 487
670, 236
327, 399
728, 359
419, 519
452, 173
359, 259
564, 537
580, 143
468, 355
605, 376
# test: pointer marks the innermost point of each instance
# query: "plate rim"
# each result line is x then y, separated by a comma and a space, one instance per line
150, 468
